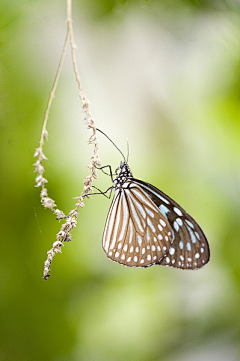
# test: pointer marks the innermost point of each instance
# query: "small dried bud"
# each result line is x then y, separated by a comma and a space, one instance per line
48, 203
73, 222
88, 180
38, 152
45, 134
68, 238
57, 246
74, 213
44, 157
46, 277
85, 101
61, 235
93, 139
66, 228
60, 214
90, 166
38, 168
80, 204
43, 193
94, 174
40, 181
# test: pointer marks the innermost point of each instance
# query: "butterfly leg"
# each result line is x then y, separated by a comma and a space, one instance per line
100, 192
110, 170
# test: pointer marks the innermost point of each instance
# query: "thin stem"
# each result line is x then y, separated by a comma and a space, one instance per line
71, 220
52, 94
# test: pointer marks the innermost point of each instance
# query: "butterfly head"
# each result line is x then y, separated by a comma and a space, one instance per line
123, 176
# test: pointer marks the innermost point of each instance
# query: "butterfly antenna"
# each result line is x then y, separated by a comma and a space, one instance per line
112, 143
127, 149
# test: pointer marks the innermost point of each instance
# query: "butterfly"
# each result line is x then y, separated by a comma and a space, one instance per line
145, 227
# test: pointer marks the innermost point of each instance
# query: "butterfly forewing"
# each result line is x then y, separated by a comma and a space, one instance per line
190, 249
136, 233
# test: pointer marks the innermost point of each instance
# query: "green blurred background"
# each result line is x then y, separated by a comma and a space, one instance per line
165, 74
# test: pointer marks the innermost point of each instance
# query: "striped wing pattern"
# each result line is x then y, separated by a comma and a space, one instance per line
190, 249
146, 227
136, 233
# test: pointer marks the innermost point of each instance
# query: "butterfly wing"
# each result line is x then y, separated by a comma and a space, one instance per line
190, 249
136, 234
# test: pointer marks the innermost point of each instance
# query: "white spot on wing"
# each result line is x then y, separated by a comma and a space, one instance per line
189, 223
151, 214
179, 221
193, 238
139, 240
139, 195
171, 251
176, 226
163, 223
148, 237
151, 225
134, 213
177, 211
164, 210
113, 223
140, 208
131, 231
125, 216
197, 235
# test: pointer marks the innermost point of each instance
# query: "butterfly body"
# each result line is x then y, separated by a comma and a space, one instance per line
146, 227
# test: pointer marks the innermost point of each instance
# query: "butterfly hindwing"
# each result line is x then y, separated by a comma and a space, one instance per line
190, 249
